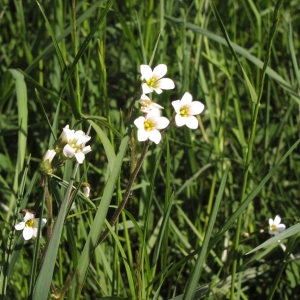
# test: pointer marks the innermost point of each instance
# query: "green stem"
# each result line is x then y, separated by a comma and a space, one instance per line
75, 53
126, 194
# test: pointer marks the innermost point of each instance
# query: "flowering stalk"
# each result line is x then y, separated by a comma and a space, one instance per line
126, 194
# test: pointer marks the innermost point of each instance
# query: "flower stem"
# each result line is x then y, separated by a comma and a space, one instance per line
126, 194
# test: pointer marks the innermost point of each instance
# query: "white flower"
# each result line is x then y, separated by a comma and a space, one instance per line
49, 155
186, 109
154, 80
146, 104
148, 126
275, 226
75, 144
30, 226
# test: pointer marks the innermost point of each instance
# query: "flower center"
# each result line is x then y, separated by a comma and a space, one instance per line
184, 111
274, 228
74, 145
152, 82
30, 223
149, 125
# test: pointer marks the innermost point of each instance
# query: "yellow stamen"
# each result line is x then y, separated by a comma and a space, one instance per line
30, 223
184, 111
149, 125
152, 82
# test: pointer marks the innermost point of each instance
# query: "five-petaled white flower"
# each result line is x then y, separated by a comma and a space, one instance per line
30, 226
75, 144
275, 226
186, 109
148, 126
154, 80
146, 104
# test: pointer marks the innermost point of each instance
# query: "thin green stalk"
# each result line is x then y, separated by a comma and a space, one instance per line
76, 72
251, 141
210, 201
126, 194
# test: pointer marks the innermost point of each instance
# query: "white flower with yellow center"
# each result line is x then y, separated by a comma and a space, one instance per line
146, 104
148, 126
153, 79
186, 109
75, 144
275, 226
30, 226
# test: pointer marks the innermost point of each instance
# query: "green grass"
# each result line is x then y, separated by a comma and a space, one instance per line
195, 224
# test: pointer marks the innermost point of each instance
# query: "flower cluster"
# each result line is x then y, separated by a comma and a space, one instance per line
70, 144
150, 124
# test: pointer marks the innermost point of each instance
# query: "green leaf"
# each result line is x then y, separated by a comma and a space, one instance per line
97, 225
21, 91
196, 272
109, 150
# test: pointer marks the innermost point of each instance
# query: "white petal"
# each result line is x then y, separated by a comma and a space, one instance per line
155, 105
142, 135
34, 231
144, 97
162, 123
28, 216
139, 122
27, 233
67, 134
153, 115
157, 90
165, 84
154, 136
146, 72
49, 155
186, 99
281, 227
159, 71
86, 149
44, 221
20, 226
179, 120
83, 139
191, 122
277, 220
271, 222
146, 88
68, 151
80, 157
196, 108
36, 222
176, 105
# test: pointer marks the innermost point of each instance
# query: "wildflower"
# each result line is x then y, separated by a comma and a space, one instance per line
154, 80
30, 226
186, 109
148, 126
46, 165
146, 105
72, 143
275, 226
